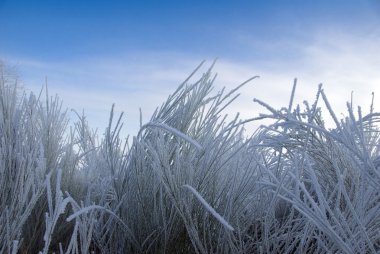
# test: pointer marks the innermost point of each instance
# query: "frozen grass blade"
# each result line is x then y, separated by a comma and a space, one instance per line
209, 208
173, 131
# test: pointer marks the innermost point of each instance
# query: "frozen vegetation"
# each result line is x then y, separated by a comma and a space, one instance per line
190, 181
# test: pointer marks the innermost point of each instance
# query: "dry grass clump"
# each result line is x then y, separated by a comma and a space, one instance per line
190, 181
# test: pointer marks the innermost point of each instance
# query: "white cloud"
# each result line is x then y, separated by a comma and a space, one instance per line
95, 84
342, 62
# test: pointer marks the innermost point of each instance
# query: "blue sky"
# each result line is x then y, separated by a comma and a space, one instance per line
134, 53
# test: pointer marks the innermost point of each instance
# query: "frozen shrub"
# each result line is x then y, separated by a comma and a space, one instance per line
22, 160
328, 176
190, 181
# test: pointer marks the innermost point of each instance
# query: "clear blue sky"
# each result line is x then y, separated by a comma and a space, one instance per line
93, 47
68, 29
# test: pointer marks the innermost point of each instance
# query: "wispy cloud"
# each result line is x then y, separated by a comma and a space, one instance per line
128, 81
342, 62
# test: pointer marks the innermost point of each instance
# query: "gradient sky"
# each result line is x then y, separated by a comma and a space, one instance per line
134, 53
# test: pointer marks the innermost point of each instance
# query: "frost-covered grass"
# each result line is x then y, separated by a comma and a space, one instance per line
190, 181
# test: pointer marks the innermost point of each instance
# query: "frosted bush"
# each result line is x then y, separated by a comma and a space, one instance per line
190, 181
